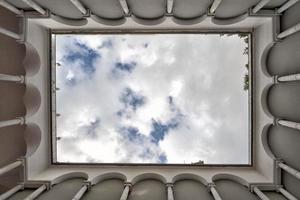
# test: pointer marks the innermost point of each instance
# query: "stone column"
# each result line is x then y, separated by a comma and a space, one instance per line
127, 187
10, 167
214, 192
12, 191
17, 121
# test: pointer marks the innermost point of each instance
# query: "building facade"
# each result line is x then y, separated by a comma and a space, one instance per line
26, 168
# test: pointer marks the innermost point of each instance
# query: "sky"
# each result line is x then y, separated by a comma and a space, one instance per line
151, 98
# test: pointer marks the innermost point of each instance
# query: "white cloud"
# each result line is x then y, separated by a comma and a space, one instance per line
202, 73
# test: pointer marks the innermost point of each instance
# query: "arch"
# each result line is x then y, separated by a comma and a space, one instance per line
264, 100
68, 176
32, 99
284, 144
189, 21
69, 21
264, 59
189, 176
146, 9
191, 186
149, 22
190, 9
109, 22
283, 58
148, 186
233, 187
106, 176
231, 177
147, 176
32, 61
283, 100
32, 136
229, 21
264, 140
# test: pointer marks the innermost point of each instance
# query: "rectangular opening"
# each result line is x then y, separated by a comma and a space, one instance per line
175, 97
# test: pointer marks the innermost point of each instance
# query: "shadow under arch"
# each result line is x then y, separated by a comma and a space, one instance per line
32, 99
229, 21
264, 139
189, 176
69, 176
148, 176
189, 21
264, 100
148, 22
107, 176
231, 177
32, 61
32, 136
108, 22
69, 21
264, 59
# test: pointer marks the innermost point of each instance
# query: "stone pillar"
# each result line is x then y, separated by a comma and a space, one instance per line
10, 7
292, 77
214, 6
289, 31
170, 191
10, 34
35, 6
127, 187
10, 167
286, 6
12, 191
285, 193
79, 6
260, 194
18, 79
289, 124
289, 170
82, 190
36, 193
260, 5
214, 192
17, 121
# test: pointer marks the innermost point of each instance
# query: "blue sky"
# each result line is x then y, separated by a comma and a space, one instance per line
153, 98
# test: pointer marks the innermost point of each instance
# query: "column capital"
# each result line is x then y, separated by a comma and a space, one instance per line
275, 121
23, 79
169, 185
21, 184
278, 161
128, 184
22, 120
23, 160
88, 184
277, 187
210, 185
